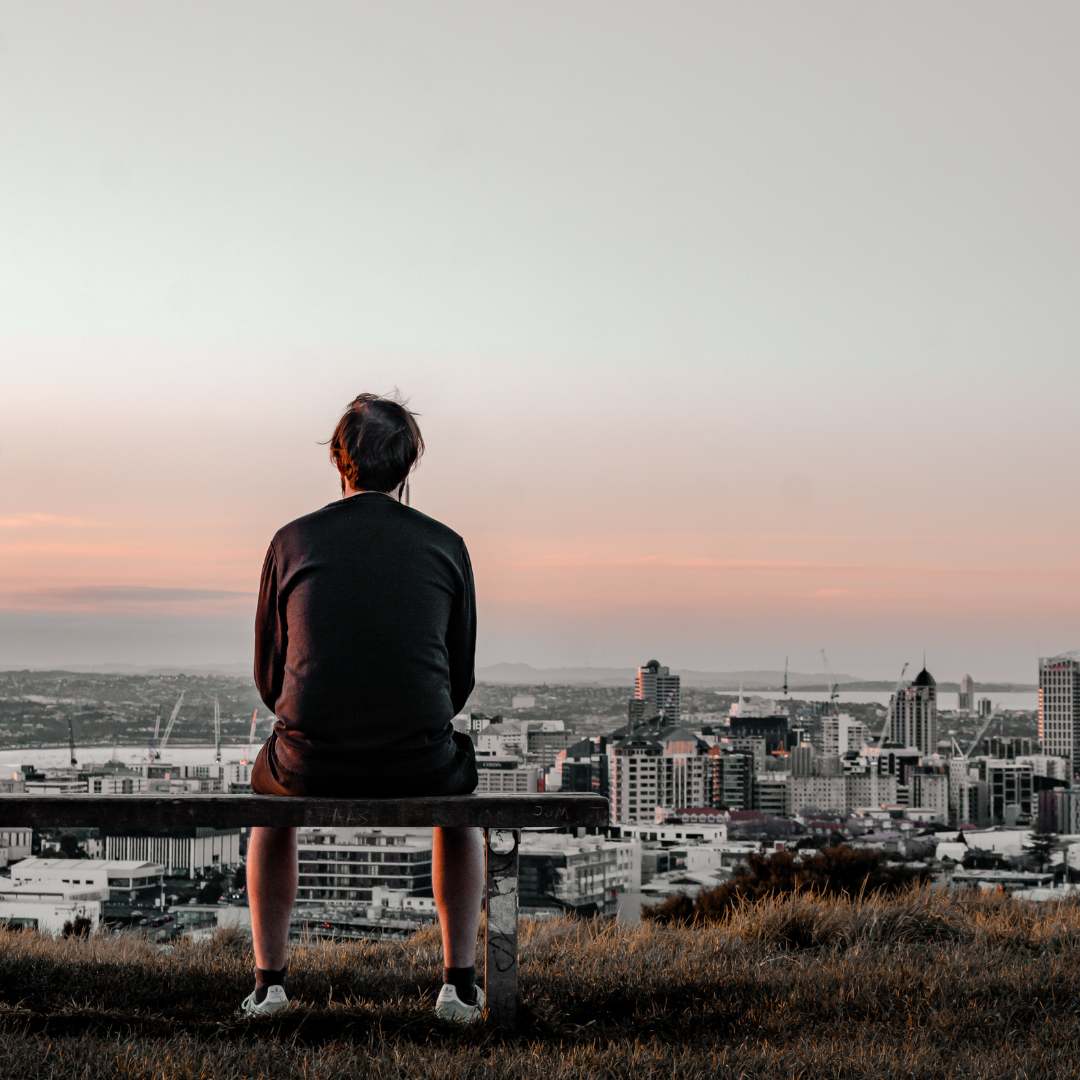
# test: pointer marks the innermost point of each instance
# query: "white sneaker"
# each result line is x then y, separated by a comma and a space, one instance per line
451, 1007
275, 999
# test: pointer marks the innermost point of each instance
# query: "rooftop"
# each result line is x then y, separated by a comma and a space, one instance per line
36, 862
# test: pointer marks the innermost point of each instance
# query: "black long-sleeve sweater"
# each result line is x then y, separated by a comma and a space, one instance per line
365, 638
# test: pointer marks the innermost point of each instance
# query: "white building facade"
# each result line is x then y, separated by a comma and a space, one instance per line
1059, 707
635, 778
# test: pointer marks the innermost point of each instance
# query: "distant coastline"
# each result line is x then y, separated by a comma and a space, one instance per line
757, 681
518, 674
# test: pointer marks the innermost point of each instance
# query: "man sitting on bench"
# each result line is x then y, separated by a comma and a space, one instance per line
364, 644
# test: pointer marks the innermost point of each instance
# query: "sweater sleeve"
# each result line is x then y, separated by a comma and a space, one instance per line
461, 638
271, 635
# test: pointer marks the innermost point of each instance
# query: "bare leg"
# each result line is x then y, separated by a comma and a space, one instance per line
271, 887
457, 878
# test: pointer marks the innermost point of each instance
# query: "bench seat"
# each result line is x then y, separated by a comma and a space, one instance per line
502, 817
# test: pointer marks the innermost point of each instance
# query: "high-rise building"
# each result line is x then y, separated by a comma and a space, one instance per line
1059, 810
753, 746
840, 734
930, 789
1009, 791
869, 788
1059, 707
913, 714
685, 778
966, 701
635, 777
585, 766
732, 779
656, 693
803, 758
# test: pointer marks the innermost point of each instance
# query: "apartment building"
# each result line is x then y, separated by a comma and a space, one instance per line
635, 778
344, 866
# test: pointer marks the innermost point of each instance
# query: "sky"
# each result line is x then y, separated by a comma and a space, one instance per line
737, 331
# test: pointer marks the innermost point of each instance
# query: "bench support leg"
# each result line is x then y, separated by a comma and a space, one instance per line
501, 962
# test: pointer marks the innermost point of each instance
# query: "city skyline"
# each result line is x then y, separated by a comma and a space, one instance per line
733, 334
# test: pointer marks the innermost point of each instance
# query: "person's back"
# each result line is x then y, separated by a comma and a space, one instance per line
365, 635
364, 643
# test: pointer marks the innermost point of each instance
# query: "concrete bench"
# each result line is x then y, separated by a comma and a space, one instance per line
502, 817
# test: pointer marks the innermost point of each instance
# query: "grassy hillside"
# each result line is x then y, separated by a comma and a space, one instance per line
921, 986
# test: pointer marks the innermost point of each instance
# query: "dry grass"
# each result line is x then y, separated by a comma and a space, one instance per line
915, 986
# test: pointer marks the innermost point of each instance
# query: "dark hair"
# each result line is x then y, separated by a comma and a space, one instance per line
376, 442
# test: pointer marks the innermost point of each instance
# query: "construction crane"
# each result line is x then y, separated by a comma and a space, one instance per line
834, 689
896, 694
251, 738
71, 741
978, 738
169, 725
217, 730
154, 755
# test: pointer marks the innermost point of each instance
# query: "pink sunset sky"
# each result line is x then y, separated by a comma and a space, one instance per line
737, 331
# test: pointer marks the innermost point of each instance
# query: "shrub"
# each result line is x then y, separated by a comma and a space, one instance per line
833, 871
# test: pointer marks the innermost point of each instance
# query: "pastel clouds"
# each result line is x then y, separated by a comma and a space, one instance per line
127, 599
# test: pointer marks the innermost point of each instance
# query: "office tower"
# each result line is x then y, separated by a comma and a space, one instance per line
656, 693
967, 695
1059, 707
913, 714
1009, 789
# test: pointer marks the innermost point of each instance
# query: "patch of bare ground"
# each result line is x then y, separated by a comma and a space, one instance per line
918, 985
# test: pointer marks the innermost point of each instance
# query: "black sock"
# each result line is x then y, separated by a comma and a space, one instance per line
463, 980
265, 979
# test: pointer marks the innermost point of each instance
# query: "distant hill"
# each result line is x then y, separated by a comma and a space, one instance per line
239, 670
527, 675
